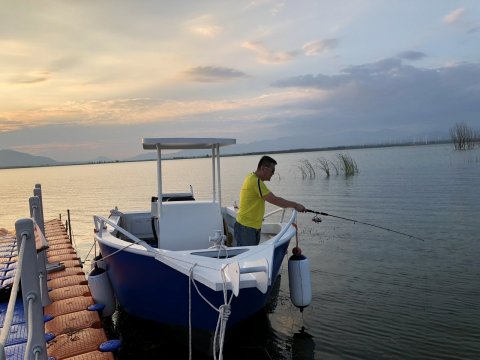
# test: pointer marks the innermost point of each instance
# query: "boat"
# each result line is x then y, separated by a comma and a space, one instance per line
175, 263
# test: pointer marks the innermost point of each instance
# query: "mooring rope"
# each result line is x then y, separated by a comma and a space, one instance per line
89, 251
223, 310
190, 277
223, 316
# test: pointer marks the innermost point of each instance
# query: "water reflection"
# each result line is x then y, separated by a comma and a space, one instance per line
251, 339
302, 345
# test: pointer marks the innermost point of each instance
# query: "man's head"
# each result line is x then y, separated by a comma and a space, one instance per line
266, 168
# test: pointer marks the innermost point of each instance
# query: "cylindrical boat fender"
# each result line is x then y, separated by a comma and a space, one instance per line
299, 280
102, 291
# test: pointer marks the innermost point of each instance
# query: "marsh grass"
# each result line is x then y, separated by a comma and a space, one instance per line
344, 164
327, 166
324, 165
347, 164
303, 172
307, 170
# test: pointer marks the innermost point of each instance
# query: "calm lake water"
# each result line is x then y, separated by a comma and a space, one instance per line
376, 294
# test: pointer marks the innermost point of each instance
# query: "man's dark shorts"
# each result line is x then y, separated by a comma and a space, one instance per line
245, 236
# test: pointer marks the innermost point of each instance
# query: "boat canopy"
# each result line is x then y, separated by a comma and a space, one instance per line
184, 143
160, 144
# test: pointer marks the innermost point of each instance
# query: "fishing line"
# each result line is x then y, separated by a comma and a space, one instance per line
316, 219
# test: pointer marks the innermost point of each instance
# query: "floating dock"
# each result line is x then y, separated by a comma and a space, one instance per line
73, 326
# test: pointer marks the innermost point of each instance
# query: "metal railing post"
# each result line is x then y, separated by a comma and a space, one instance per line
41, 256
36, 347
69, 226
38, 192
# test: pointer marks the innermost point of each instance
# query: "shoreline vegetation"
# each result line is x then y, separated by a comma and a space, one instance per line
297, 150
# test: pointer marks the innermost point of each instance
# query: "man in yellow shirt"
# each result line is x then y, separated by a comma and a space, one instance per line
253, 195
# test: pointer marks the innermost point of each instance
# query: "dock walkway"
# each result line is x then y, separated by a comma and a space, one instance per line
73, 327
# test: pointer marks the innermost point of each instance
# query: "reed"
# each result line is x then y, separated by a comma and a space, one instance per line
307, 170
310, 169
324, 165
344, 163
347, 165
302, 171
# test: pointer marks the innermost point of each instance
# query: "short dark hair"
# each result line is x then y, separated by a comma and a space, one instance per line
266, 161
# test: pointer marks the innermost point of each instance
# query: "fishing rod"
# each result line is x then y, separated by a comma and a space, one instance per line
360, 222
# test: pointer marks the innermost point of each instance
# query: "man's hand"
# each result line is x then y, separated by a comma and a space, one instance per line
300, 208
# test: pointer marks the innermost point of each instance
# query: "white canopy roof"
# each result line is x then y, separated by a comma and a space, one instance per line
184, 143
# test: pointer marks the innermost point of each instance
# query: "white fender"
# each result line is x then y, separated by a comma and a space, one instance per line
299, 281
102, 291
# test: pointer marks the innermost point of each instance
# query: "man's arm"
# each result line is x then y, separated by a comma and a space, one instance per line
283, 203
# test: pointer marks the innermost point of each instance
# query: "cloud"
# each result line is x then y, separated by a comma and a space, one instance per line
212, 74
210, 31
267, 56
474, 29
319, 81
32, 78
319, 46
204, 26
7, 125
389, 93
386, 94
274, 7
138, 111
14, 48
412, 55
454, 17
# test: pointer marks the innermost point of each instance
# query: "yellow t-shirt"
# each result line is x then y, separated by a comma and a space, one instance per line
252, 204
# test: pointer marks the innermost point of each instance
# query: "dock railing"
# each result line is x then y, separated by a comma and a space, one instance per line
31, 269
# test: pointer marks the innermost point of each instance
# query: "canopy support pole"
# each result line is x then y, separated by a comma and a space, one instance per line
218, 176
213, 174
159, 190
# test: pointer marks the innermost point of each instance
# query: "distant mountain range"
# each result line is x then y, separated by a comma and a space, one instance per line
349, 139
11, 158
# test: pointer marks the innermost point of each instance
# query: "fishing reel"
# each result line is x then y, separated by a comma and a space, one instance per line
317, 219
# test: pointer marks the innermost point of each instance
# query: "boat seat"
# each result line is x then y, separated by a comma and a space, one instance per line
186, 225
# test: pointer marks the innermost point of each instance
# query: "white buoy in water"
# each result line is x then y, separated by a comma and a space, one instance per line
101, 290
299, 279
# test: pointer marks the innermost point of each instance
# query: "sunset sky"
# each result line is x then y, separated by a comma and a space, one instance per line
83, 78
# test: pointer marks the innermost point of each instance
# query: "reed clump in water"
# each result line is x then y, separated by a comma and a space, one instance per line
307, 170
347, 164
327, 166
344, 164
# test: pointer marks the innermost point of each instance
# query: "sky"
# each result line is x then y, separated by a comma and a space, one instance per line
81, 79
